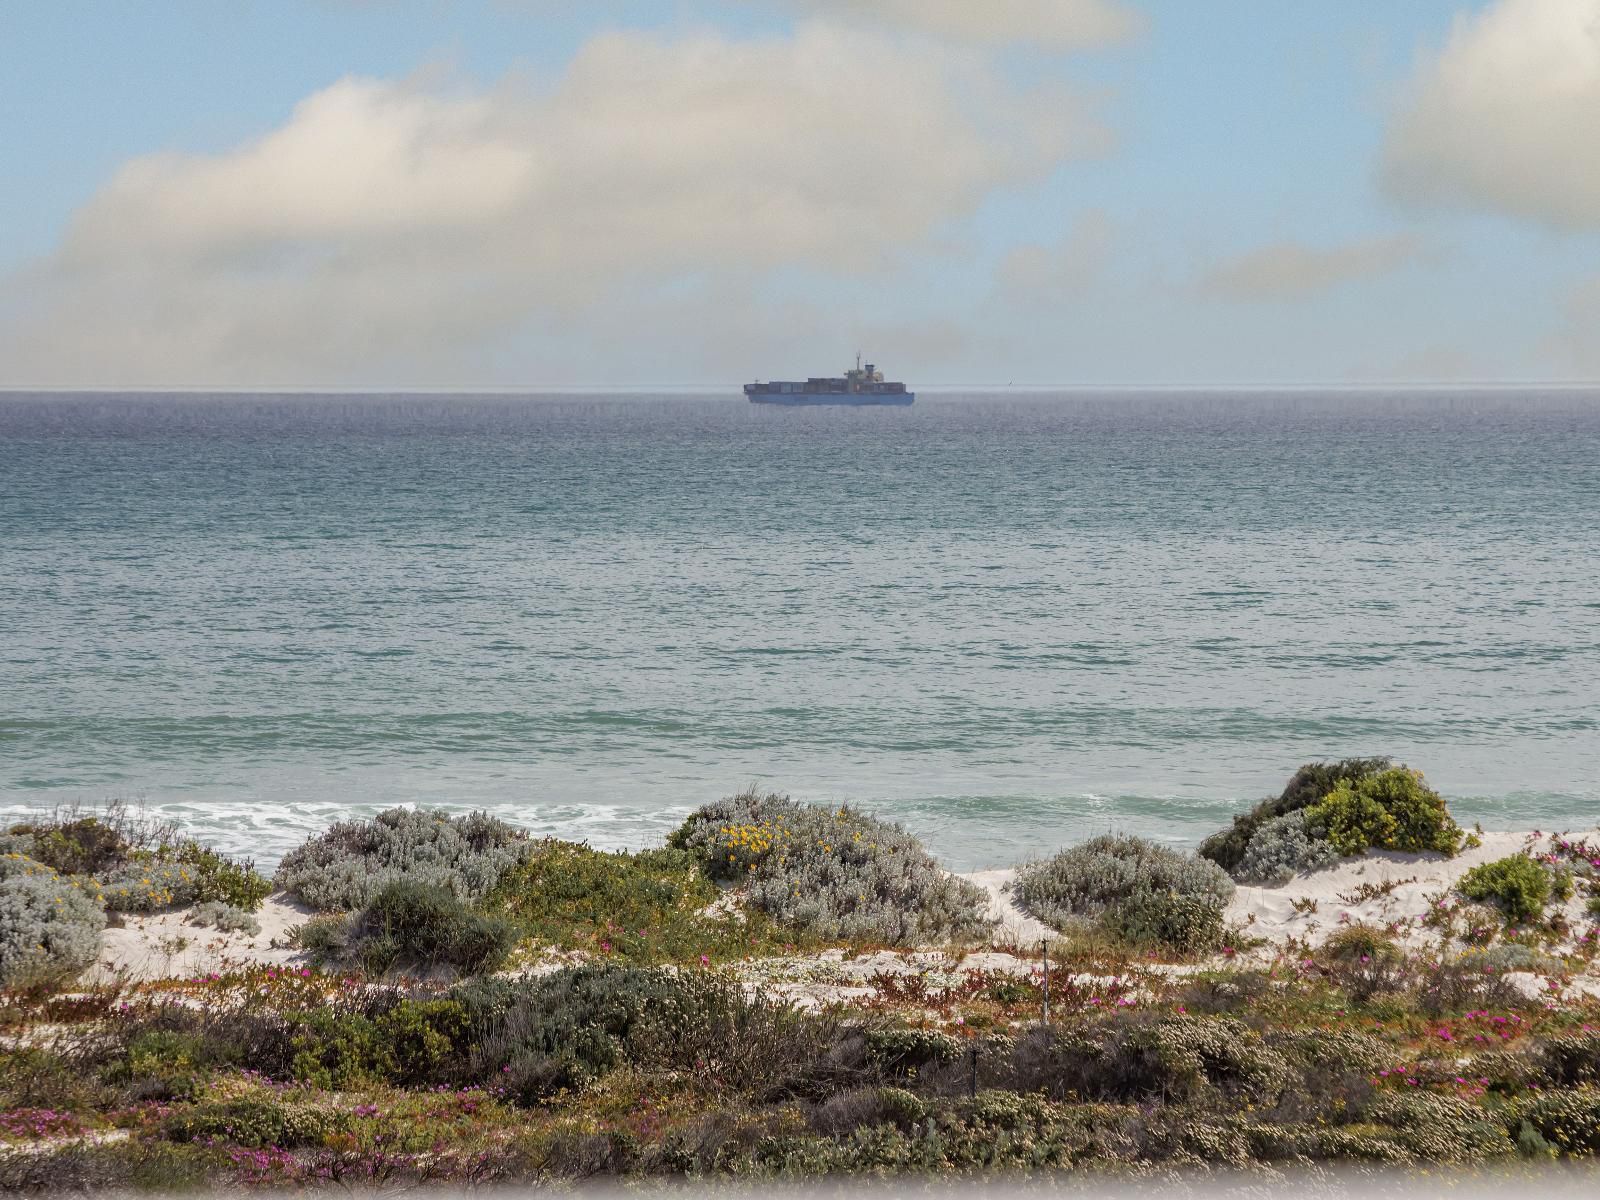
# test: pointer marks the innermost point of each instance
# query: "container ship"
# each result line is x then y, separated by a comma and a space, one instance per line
864, 385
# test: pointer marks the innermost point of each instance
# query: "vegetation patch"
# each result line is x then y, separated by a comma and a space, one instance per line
834, 874
414, 925
1390, 810
653, 906
48, 928
352, 861
1308, 785
1516, 885
1145, 893
1329, 810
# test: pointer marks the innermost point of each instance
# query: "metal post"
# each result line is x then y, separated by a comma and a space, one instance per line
1044, 948
972, 1079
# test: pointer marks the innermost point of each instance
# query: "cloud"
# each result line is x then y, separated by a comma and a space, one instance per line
410, 223
1506, 117
1050, 24
1036, 274
1292, 271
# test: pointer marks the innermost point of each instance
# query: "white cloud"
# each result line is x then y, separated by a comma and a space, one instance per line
1052, 24
1291, 270
1507, 116
408, 224
1058, 273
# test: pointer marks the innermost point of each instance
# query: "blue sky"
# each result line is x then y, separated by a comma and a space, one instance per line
1065, 192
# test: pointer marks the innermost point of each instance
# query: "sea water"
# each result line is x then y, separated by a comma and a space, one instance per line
1008, 621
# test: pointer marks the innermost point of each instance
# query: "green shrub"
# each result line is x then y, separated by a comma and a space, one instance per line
907, 1051
224, 880
832, 873
76, 846
567, 1029
1313, 781
1138, 890
1392, 810
48, 928
1569, 1120
646, 907
352, 861
1188, 924
425, 926
411, 1043
1516, 884
1173, 1058
1572, 1060
256, 1123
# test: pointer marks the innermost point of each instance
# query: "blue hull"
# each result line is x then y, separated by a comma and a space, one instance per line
804, 400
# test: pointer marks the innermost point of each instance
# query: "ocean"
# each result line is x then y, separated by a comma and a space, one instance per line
1008, 621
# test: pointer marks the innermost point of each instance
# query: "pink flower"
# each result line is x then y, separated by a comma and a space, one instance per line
705, 960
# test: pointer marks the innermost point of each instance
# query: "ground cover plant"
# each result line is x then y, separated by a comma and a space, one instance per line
1144, 893
352, 861
831, 873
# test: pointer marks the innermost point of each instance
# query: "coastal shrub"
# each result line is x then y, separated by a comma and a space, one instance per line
352, 861
1441, 1129
1391, 810
226, 918
1572, 1060
139, 887
1143, 892
47, 928
1282, 848
1364, 961
78, 840
1516, 885
1172, 1058
1308, 785
567, 1029
424, 926
1188, 924
1569, 1120
656, 905
406, 1042
256, 1123
1461, 985
832, 873
221, 878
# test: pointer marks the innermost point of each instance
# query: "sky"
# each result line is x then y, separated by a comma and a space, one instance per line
506, 194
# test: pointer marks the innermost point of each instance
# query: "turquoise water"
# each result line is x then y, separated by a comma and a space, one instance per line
1007, 621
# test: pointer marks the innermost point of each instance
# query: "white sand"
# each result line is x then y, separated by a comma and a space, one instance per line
170, 946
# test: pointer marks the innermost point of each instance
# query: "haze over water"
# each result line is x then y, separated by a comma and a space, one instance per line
1009, 622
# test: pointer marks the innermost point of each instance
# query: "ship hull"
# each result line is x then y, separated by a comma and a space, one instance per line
846, 399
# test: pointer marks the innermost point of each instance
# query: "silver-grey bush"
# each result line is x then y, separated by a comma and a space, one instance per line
47, 927
1089, 880
833, 873
1282, 848
351, 862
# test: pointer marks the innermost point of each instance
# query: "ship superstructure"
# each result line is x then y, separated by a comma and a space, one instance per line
863, 385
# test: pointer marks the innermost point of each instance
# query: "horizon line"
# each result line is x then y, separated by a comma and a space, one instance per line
547, 389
